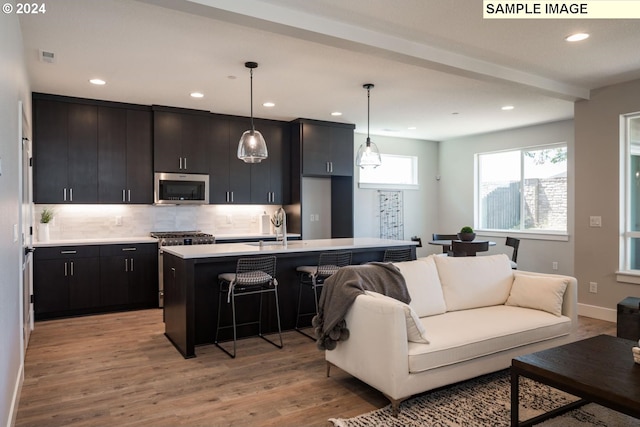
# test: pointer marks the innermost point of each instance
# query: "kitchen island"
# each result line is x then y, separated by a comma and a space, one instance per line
191, 283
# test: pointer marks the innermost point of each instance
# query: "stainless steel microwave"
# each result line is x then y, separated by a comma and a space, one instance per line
181, 189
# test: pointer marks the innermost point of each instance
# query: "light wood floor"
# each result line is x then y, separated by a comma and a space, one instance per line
120, 370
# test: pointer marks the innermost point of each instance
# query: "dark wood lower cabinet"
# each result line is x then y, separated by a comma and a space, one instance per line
79, 280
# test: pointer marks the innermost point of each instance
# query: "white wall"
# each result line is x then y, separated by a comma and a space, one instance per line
13, 88
456, 201
420, 206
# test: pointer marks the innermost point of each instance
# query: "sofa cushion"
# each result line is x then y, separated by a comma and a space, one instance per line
415, 330
423, 285
538, 292
462, 335
476, 281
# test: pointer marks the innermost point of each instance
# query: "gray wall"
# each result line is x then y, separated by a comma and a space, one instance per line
456, 190
420, 206
13, 88
597, 157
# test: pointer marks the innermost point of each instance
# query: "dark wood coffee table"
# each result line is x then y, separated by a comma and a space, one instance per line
599, 370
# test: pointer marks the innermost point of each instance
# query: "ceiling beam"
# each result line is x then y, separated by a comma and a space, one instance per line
280, 20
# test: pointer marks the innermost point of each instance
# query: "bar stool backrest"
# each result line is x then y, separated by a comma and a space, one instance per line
397, 255
330, 262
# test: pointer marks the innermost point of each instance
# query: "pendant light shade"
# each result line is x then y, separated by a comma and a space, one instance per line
368, 153
252, 148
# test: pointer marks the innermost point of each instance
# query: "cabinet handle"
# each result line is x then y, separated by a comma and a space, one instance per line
71, 194
331, 167
185, 163
123, 199
68, 252
227, 196
173, 272
232, 197
71, 267
180, 163
126, 264
128, 249
131, 264
64, 194
65, 269
129, 195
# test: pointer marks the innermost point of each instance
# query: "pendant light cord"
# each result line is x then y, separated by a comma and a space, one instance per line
253, 129
368, 114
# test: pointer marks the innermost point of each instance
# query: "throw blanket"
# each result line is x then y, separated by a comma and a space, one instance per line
340, 291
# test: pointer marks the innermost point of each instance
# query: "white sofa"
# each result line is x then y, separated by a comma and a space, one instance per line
468, 316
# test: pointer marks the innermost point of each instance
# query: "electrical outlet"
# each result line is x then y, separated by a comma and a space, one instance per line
593, 287
554, 265
118, 220
317, 217
595, 221
311, 218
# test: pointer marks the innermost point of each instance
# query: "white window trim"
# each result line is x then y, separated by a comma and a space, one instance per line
530, 234
625, 274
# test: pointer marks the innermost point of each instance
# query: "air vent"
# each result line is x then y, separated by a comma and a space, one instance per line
49, 57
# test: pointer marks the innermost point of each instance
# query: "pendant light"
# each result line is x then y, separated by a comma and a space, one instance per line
252, 148
368, 153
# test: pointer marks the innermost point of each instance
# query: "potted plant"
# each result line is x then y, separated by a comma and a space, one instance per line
466, 234
46, 216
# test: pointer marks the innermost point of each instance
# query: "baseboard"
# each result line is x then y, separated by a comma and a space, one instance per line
13, 411
595, 312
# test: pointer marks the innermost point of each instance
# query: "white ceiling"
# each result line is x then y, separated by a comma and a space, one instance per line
436, 64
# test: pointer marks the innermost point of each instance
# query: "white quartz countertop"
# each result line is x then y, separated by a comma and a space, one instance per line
96, 241
239, 249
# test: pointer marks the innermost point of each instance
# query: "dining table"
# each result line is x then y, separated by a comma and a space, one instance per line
447, 243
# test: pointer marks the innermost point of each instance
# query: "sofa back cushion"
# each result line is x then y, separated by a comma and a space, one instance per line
538, 292
424, 286
476, 281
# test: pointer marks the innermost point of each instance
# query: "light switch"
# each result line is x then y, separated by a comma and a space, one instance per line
595, 221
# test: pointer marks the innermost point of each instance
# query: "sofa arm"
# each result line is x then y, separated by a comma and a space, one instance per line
377, 349
570, 299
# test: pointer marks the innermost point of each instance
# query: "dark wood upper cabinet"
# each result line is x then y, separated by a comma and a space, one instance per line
267, 177
230, 177
326, 148
181, 140
65, 152
88, 151
125, 173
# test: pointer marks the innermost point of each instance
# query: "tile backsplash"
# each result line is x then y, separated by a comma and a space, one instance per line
100, 221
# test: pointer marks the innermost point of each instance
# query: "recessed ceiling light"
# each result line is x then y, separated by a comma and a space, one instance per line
268, 104
197, 95
412, 128
577, 37
98, 82
336, 113
508, 108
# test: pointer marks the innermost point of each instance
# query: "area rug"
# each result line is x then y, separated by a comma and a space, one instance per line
486, 402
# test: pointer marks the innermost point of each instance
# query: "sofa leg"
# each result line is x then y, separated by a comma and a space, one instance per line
328, 368
395, 405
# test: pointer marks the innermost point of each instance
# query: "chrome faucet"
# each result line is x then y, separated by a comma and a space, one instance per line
281, 212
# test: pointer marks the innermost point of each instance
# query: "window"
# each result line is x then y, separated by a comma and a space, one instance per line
395, 172
523, 190
630, 193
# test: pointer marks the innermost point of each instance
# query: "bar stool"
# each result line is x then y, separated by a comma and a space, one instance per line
253, 276
313, 277
397, 255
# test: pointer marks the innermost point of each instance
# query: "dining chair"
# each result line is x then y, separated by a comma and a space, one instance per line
445, 248
514, 243
460, 248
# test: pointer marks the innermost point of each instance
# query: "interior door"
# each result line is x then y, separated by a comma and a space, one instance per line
26, 224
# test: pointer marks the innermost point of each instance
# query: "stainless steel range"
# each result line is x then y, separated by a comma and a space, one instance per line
176, 238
